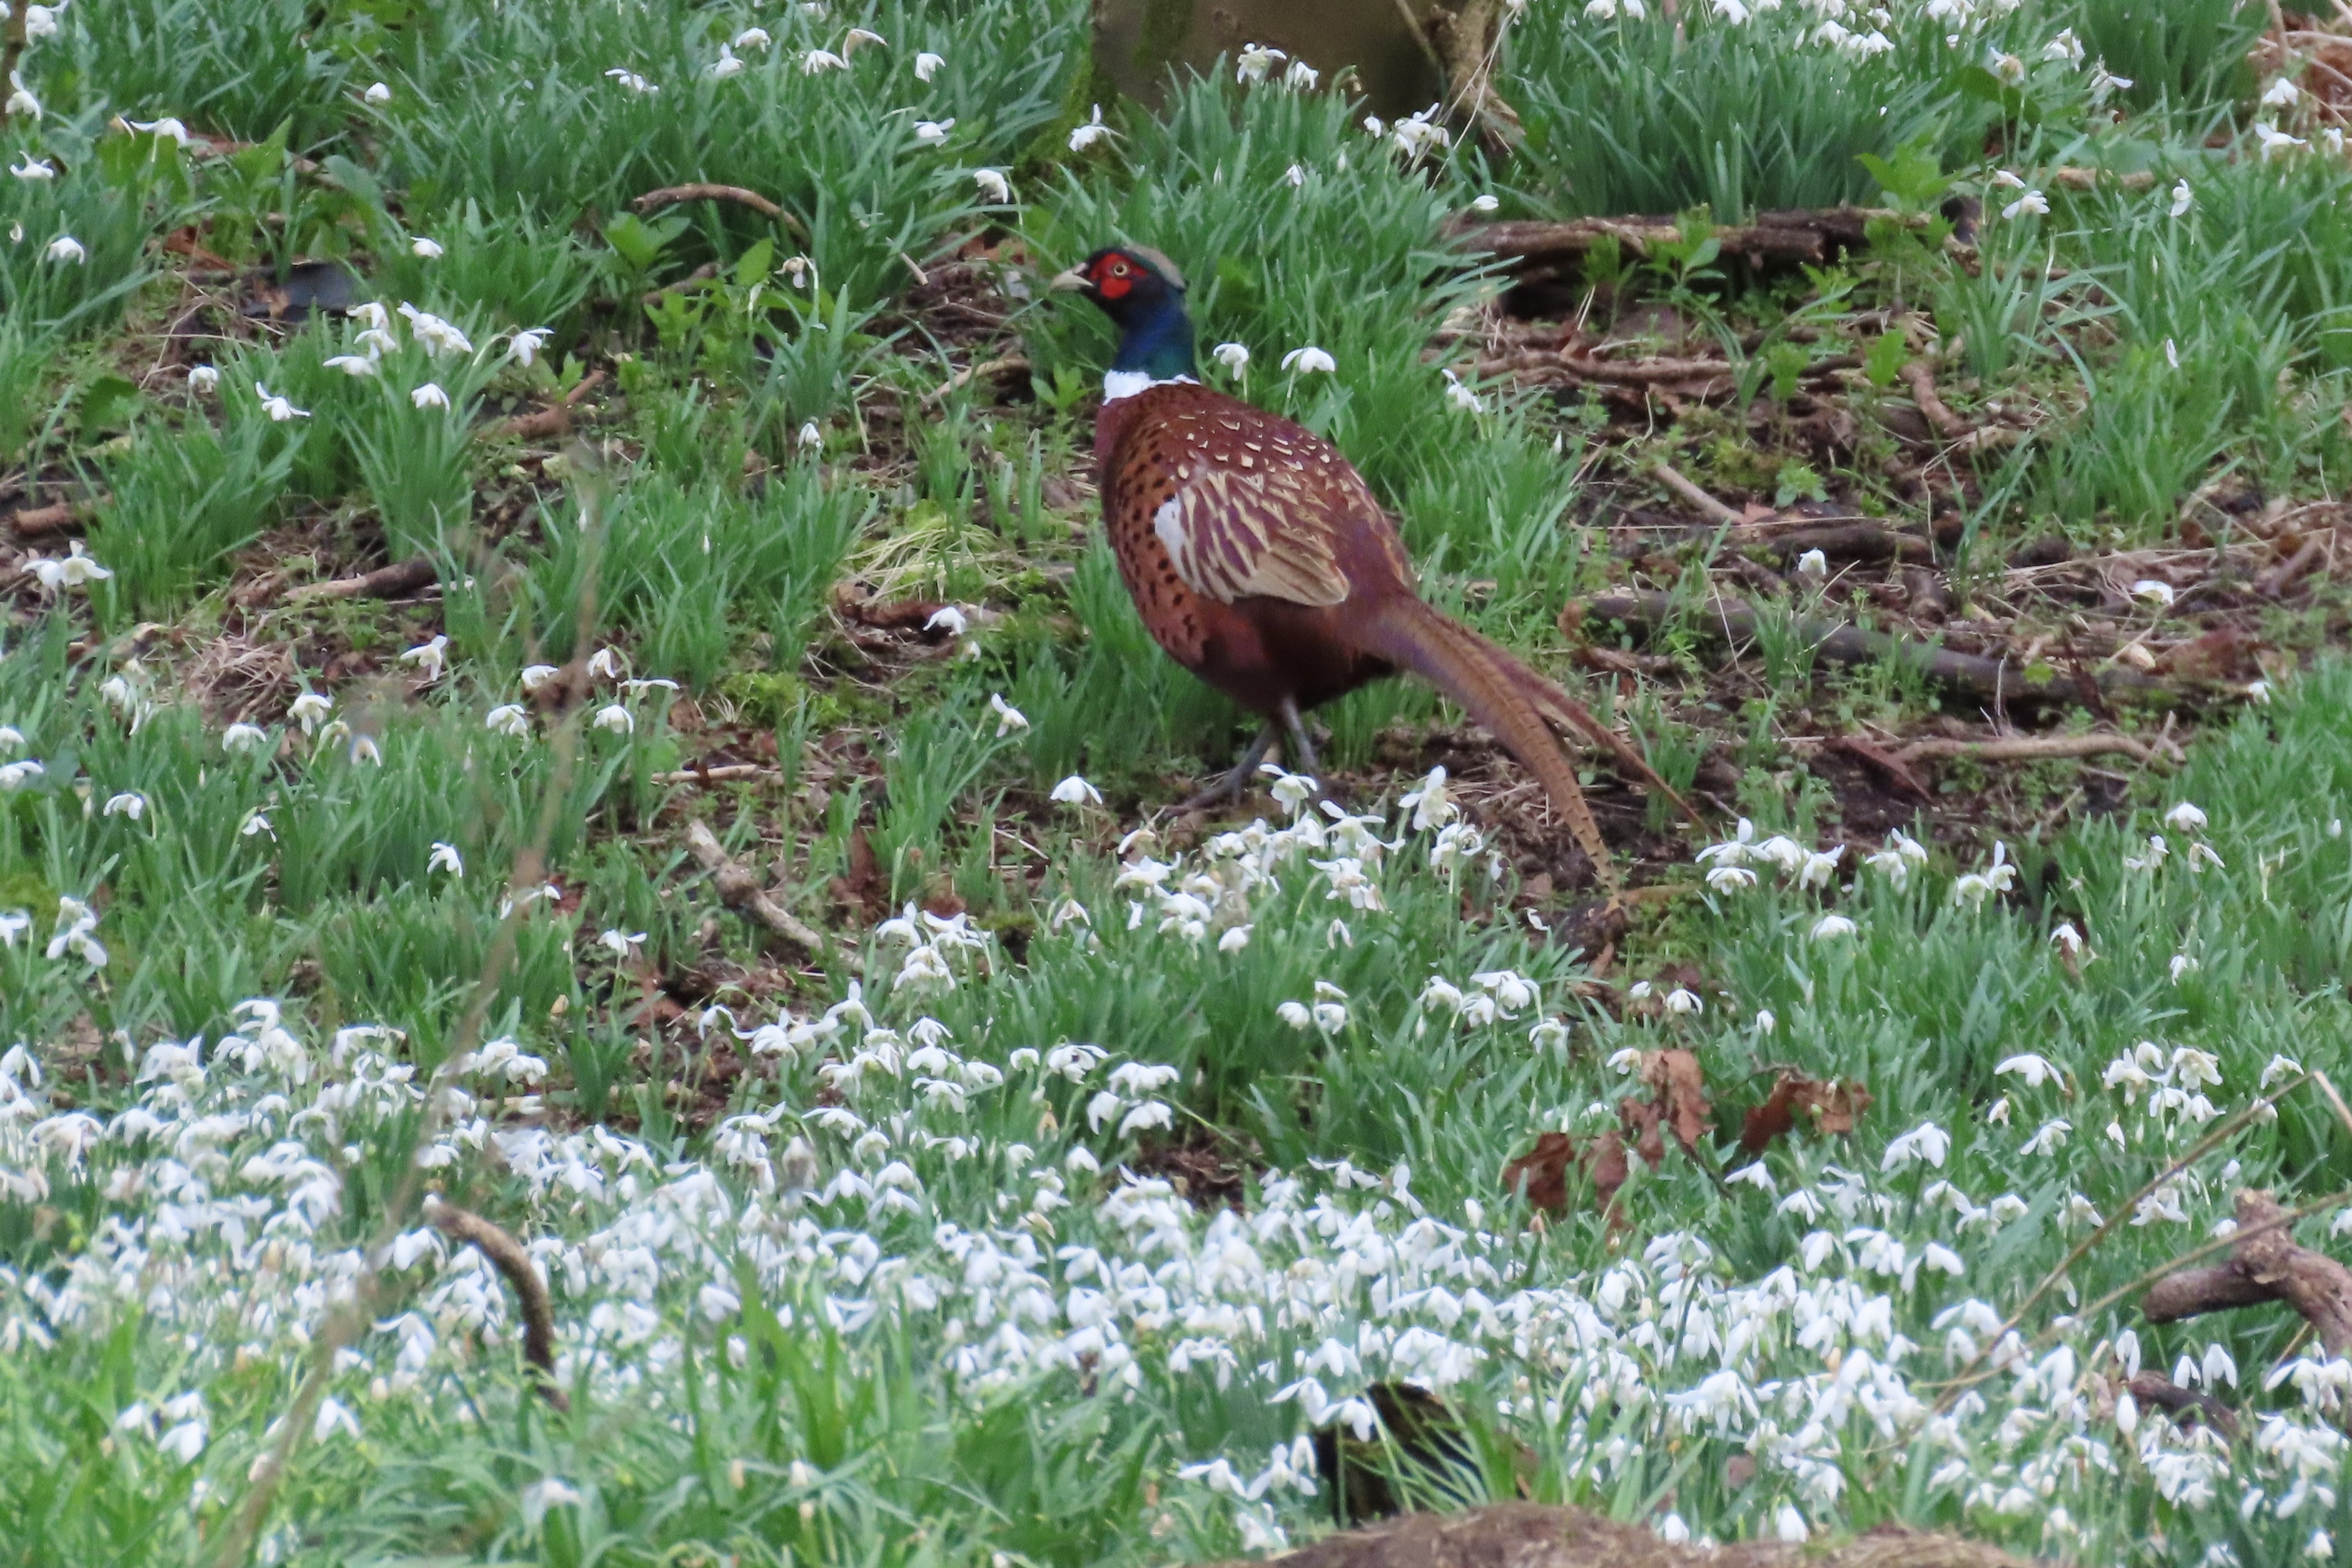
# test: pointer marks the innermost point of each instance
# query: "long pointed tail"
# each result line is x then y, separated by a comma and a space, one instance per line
1569, 715
1487, 683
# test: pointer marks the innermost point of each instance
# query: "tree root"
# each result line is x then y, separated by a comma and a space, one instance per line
2265, 1265
507, 1256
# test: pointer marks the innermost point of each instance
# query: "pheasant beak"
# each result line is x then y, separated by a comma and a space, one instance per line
1073, 281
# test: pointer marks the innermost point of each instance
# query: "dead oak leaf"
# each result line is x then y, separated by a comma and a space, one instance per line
1826, 1107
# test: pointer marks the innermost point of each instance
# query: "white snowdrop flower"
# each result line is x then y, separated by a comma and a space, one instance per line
280, 410
1765, 1022
1309, 360
857, 36
129, 804
1461, 397
549, 1493
1295, 177
2279, 94
1485, 202
1235, 939
933, 132
1076, 791
621, 943
1296, 1015
1254, 60
2106, 84
1814, 563
947, 618
12, 739
2280, 1067
2259, 691
725, 64
1789, 1525
1430, 803
244, 738
73, 569
1937, 1255
1234, 357
33, 168
2321, 1547
1331, 1017
616, 719
1756, 1176
1830, 927
183, 1443
430, 657
2049, 1137
332, 1417
1301, 76
2036, 1070
203, 380
2218, 1367
2032, 201
1670, 1529
2066, 938
992, 185
366, 750
67, 248
440, 338
1925, 1141
1638, 990
445, 857
606, 664
1085, 136
378, 94
1684, 1003
429, 395
2183, 198
927, 65
631, 80
2181, 965
1009, 719
535, 675
429, 250
353, 365
20, 99
14, 923
2184, 817
1150, 1114
525, 344
41, 22
2065, 48
1730, 879
2275, 141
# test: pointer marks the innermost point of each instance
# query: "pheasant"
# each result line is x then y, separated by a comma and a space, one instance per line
1261, 562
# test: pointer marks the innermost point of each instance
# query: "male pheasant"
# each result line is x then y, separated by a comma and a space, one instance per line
1261, 562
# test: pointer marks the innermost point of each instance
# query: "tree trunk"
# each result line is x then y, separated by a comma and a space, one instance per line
1401, 56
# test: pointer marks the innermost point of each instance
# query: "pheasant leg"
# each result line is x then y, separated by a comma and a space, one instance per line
1230, 787
1296, 728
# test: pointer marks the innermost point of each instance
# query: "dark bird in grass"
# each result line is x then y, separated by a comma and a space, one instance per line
1261, 562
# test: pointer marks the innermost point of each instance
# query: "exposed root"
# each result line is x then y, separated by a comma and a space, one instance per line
507, 1256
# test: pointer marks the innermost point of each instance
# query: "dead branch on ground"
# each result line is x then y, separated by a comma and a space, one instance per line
740, 890
507, 1256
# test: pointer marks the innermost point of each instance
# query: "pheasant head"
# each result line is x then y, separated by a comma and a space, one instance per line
1143, 294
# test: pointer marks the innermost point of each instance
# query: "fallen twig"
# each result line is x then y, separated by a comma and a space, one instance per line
2075, 177
58, 516
1922, 383
723, 774
2265, 1265
740, 890
1788, 237
1889, 765
978, 370
1677, 481
2155, 1388
1861, 540
545, 422
2280, 578
2029, 748
670, 196
384, 582
1990, 683
507, 1255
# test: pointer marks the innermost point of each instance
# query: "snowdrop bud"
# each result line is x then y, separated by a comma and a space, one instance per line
2184, 817
378, 94
65, 249
1309, 360
1485, 202
429, 395
1009, 719
427, 248
993, 185
203, 380
1789, 1525
811, 435
616, 719
927, 65
1814, 563
1077, 791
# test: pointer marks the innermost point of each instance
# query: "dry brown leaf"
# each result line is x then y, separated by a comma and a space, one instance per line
1830, 1107
1542, 1171
1679, 1090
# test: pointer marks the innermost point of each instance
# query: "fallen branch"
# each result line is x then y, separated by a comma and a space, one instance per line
2155, 1388
1852, 541
1990, 682
1790, 237
1894, 769
1677, 481
724, 773
549, 421
670, 196
2029, 748
1534, 1535
978, 370
384, 582
1922, 383
2076, 178
2265, 1265
740, 890
507, 1256
45, 522
2276, 581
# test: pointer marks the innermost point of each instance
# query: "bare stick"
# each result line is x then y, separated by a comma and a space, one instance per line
41, 522
979, 370
670, 196
1677, 481
507, 1255
1922, 383
740, 890
546, 422
384, 582
725, 772
2171, 1265
2155, 1388
2029, 748
2193, 1292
